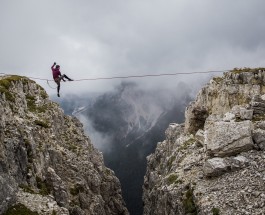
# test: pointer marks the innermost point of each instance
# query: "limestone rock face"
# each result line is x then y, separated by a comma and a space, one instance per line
228, 138
47, 164
214, 163
221, 94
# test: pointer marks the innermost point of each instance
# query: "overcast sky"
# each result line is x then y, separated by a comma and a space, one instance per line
96, 38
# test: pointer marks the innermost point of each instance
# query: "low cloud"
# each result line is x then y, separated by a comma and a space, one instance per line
117, 38
99, 140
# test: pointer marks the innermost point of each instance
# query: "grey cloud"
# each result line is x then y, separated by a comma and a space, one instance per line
113, 38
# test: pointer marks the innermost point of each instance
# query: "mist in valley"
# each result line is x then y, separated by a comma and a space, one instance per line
126, 124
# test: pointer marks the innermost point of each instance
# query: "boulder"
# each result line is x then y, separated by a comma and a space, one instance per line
259, 138
229, 117
242, 113
59, 188
228, 138
218, 166
215, 166
246, 114
199, 136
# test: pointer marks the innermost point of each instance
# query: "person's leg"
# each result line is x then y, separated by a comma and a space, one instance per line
58, 90
57, 81
61, 78
69, 79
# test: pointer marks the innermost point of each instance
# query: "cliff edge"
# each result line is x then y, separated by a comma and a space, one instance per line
214, 163
47, 164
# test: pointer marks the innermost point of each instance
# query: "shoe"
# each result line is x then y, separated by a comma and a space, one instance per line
70, 79
58, 94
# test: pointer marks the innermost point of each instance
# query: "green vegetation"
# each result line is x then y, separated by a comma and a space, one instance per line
5, 91
258, 117
188, 203
107, 171
218, 79
216, 211
76, 189
42, 124
256, 80
6, 83
246, 69
187, 143
8, 95
170, 161
31, 103
43, 94
72, 148
19, 209
173, 179
44, 188
27, 188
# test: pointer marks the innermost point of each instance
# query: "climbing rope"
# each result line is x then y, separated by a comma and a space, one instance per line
148, 75
50, 85
130, 76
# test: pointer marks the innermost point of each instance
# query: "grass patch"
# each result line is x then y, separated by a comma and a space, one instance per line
258, 117
8, 95
6, 83
173, 179
218, 79
216, 211
31, 103
42, 109
107, 171
187, 143
76, 189
42, 124
247, 69
170, 161
19, 209
43, 94
188, 203
240, 70
27, 188
44, 188
73, 148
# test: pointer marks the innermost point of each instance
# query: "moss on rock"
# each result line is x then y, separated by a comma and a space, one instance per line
19, 209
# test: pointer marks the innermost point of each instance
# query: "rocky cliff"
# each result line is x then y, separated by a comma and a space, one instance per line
214, 163
47, 164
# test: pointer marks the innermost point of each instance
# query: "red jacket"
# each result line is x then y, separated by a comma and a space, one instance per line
55, 72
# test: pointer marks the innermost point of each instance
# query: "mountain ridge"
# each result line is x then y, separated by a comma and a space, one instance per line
48, 165
214, 162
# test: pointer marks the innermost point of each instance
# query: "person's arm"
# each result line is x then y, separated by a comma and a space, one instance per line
53, 65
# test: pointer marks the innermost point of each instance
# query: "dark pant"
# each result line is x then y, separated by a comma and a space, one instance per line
58, 80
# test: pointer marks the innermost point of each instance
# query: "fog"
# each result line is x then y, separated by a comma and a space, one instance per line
91, 39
